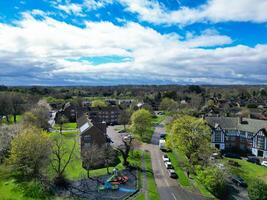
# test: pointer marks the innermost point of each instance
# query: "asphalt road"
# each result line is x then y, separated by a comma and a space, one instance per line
168, 188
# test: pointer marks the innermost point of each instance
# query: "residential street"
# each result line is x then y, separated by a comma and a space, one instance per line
167, 187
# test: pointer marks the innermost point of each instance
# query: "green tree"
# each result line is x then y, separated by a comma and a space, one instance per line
141, 122
213, 179
168, 104
257, 190
30, 151
99, 103
191, 136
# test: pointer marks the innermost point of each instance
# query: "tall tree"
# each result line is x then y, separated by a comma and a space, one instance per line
18, 104
92, 157
141, 122
5, 105
61, 158
192, 136
124, 118
30, 151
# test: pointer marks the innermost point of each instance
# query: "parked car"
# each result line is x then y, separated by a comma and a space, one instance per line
172, 173
232, 155
254, 160
168, 165
264, 163
162, 136
165, 158
239, 181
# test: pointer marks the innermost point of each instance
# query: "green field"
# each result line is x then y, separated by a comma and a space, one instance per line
248, 171
67, 126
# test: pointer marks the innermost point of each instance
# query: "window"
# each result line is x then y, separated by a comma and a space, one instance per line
232, 133
260, 142
242, 134
87, 139
218, 136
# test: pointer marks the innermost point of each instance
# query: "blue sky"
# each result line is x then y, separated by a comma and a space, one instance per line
110, 42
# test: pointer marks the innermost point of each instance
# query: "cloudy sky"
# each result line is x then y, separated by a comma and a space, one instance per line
109, 42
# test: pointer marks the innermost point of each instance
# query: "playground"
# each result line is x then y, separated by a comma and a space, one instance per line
117, 185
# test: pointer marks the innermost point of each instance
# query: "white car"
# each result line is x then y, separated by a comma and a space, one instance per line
168, 165
165, 158
264, 163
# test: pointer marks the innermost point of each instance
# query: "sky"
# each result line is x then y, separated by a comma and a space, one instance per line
111, 42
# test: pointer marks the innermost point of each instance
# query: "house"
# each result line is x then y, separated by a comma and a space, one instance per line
237, 133
91, 135
71, 112
109, 115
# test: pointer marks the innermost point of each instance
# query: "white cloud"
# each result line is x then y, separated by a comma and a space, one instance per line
48, 51
79, 9
213, 11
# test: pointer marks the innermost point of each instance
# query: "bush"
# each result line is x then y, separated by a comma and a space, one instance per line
257, 190
213, 179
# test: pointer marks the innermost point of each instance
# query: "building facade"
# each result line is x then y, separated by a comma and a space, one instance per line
244, 134
109, 115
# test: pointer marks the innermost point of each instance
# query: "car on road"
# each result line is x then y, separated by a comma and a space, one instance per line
239, 181
165, 158
162, 136
253, 160
172, 173
168, 165
264, 163
232, 155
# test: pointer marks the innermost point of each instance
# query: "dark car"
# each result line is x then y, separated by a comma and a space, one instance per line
232, 155
172, 173
254, 160
239, 181
162, 136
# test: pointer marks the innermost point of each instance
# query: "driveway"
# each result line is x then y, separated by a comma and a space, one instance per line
114, 136
168, 188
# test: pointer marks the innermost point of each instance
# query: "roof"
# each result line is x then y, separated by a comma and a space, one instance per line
233, 123
83, 123
224, 122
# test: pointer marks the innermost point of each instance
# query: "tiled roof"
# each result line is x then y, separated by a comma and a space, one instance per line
233, 123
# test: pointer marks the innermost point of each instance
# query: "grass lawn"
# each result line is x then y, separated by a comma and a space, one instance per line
248, 171
183, 179
74, 170
179, 160
140, 196
67, 126
11, 119
151, 184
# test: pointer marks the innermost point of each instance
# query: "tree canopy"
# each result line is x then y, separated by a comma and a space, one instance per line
141, 122
191, 136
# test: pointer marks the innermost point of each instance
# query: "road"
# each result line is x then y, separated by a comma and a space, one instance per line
168, 188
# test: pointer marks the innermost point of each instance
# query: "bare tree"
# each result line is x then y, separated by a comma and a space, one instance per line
109, 156
62, 157
124, 118
125, 148
93, 157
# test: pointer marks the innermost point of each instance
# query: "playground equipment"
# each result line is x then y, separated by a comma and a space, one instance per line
113, 182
